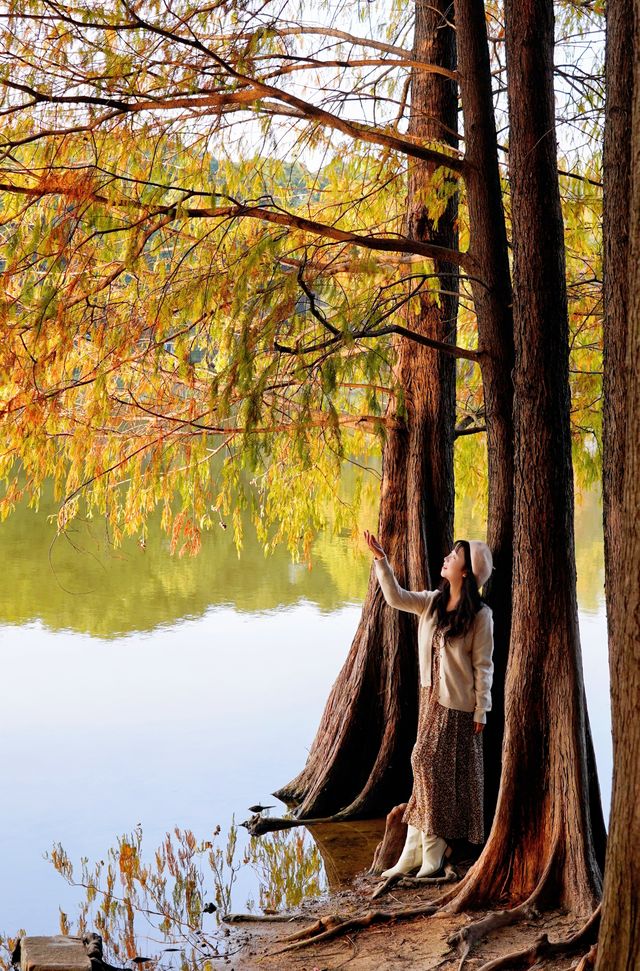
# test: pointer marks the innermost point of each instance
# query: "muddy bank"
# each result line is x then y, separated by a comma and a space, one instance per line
400, 943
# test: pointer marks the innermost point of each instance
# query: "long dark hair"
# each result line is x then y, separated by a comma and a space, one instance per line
458, 621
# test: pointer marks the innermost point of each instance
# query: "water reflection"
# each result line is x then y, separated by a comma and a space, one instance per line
194, 697
81, 583
289, 869
185, 887
167, 906
590, 551
173, 897
347, 848
470, 521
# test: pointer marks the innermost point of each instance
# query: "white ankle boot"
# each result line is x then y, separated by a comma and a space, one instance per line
411, 855
434, 852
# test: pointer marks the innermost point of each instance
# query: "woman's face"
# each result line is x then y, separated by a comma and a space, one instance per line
454, 568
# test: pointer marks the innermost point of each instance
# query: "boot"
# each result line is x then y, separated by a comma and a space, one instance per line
411, 855
434, 852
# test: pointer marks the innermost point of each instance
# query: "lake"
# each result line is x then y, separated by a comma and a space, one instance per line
145, 689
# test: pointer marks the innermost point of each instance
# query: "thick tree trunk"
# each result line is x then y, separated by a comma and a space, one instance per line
429, 379
617, 192
359, 763
619, 941
541, 846
492, 300
359, 760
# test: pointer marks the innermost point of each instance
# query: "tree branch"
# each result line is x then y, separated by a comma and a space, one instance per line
279, 217
274, 31
385, 243
260, 90
468, 431
569, 175
316, 419
451, 349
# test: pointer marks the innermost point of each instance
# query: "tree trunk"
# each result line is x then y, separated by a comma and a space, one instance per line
619, 941
359, 763
617, 192
492, 300
429, 377
541, 845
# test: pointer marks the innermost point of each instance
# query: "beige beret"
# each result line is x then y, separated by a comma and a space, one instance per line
481, 561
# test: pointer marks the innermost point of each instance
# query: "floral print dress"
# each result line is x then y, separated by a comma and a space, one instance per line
447, 763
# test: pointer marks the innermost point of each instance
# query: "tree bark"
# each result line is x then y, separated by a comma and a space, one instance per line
429, 379
359, 763
619, 942
615, 230
493, 305
541, 845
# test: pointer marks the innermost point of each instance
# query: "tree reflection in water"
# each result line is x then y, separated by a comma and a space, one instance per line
289, 868
158, 908
168, 908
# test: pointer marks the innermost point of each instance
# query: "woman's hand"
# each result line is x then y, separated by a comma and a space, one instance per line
477, 728
374, 545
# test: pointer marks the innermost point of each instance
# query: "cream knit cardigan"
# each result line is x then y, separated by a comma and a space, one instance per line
466, 666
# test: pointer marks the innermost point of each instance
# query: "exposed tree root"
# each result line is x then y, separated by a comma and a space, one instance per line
332, 926
390, 847
385, 887
450, 875
544, 948
467, 937
258, 825
262, 918
589, 960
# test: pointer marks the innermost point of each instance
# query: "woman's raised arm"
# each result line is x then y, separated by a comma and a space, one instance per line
396, 596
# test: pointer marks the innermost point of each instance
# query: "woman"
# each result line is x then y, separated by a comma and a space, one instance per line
455, 648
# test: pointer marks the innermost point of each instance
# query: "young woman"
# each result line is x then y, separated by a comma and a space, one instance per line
455, 648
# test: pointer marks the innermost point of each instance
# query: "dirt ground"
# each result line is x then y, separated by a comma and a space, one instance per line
418, 943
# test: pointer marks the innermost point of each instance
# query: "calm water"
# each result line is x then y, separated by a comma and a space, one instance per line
141, 689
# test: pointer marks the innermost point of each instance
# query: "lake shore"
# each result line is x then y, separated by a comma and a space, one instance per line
420, 942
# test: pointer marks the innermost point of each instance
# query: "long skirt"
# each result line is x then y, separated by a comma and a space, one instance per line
448, 774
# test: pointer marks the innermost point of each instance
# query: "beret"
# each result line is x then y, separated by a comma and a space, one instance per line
481, 561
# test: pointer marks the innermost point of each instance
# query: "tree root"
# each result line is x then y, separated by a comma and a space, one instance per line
467, 937
589, 960
385, 887
390, 847
543, 948
450, 875
258, 825
332, 926
262, 918
474, 932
